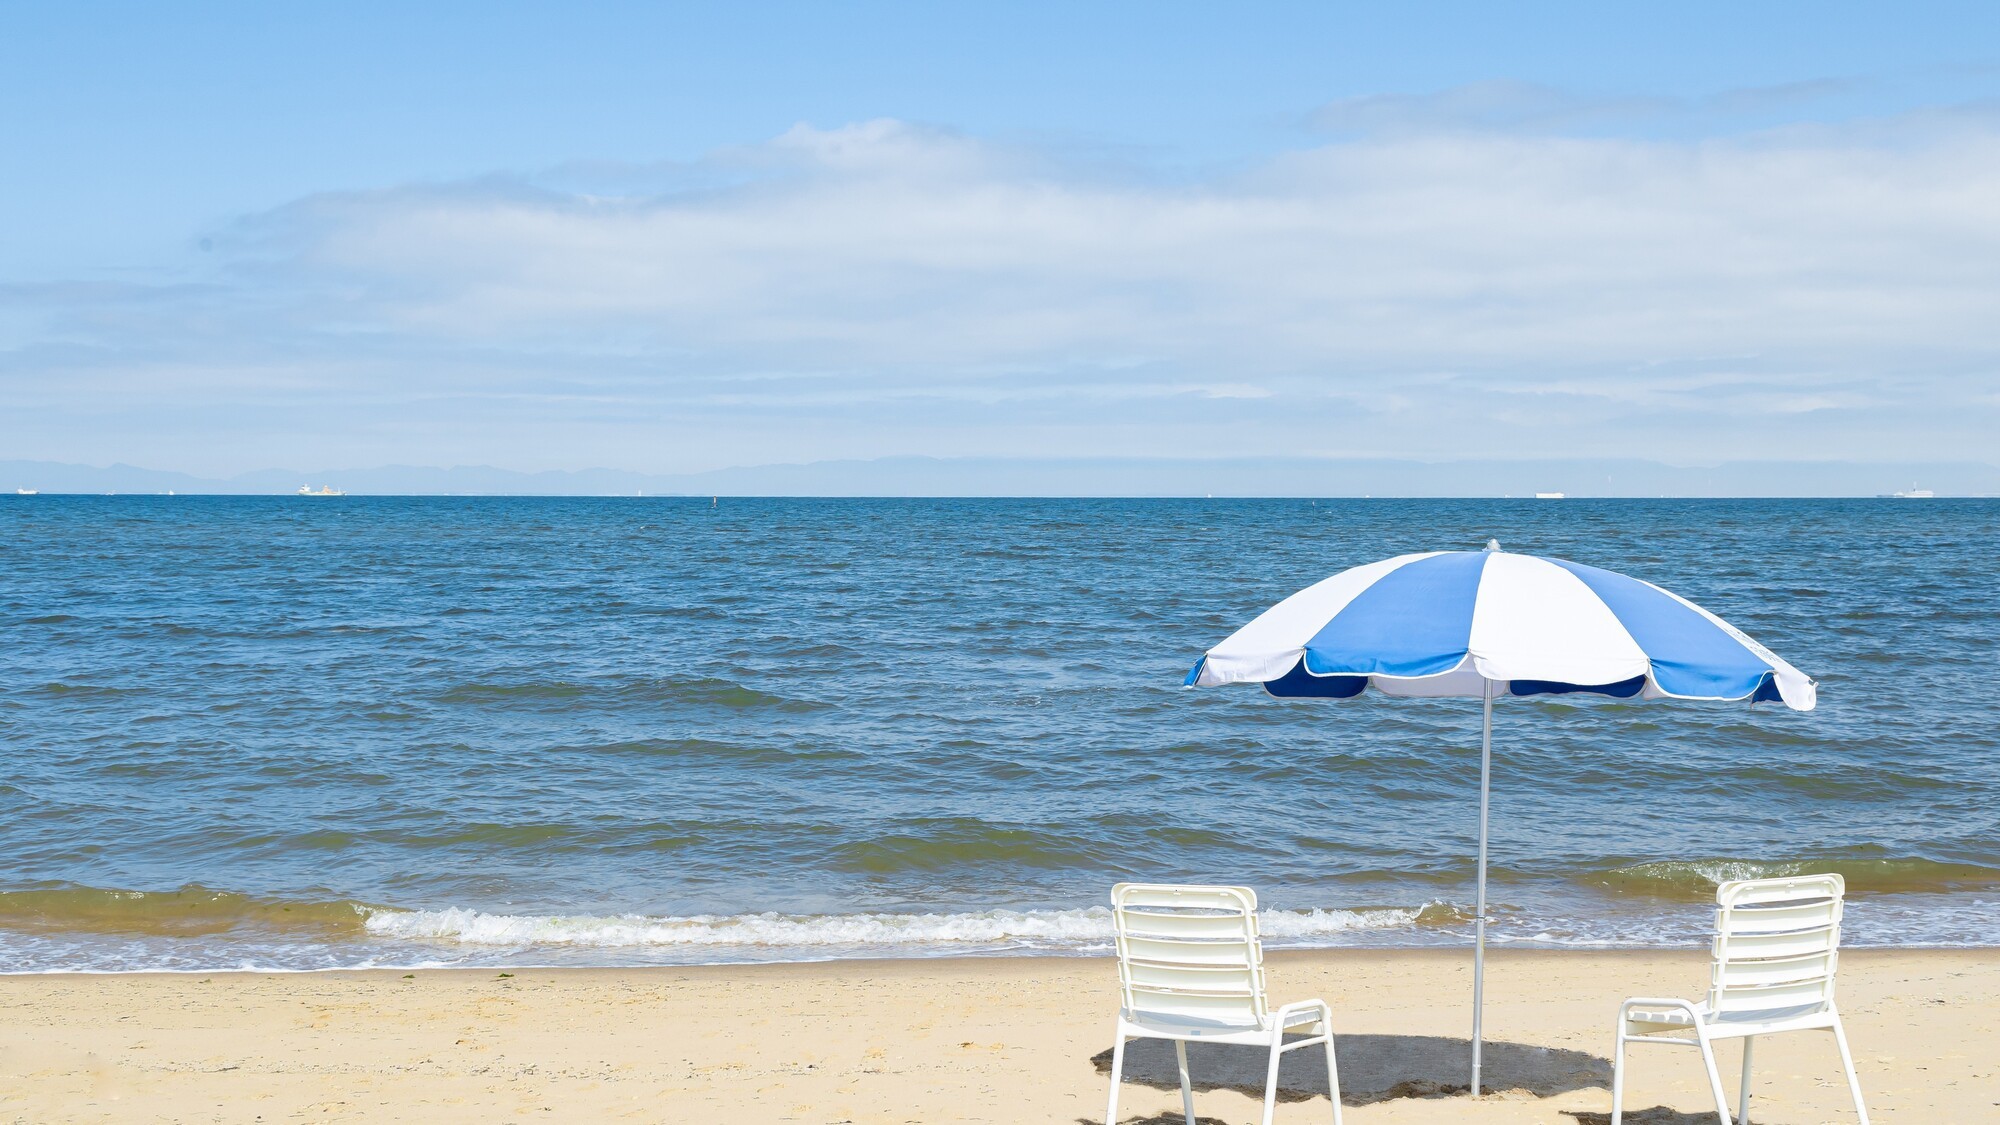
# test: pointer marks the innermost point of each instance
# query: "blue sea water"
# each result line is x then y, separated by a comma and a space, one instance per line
301, 733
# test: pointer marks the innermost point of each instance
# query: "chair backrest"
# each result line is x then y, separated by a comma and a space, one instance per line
1776, 944
1190, 952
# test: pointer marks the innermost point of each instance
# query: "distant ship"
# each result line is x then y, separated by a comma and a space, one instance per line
1910, 493
27, 492
325, 490
1548, 495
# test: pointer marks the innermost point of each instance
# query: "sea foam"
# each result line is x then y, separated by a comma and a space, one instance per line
1073, 929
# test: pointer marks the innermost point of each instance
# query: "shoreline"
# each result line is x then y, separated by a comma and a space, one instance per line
1272, 953
200, 929
977, 1038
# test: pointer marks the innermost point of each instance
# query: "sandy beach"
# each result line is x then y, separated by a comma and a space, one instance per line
986, 1040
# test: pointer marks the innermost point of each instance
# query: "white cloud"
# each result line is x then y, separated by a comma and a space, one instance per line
1397, 292
898, 246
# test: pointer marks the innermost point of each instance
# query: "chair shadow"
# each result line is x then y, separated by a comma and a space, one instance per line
1373, 1068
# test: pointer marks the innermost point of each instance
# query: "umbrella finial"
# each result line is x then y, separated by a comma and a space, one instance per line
1492, 544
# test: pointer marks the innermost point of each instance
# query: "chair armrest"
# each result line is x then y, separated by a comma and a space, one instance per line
1322, 1013
1655, 1010
1658, 1002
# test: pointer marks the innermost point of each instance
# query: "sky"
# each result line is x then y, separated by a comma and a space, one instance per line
673, 238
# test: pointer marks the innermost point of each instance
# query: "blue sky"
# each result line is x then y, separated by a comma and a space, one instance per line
678, 238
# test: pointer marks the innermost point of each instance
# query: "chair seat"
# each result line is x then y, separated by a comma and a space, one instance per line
1216, 1031
1673, 1019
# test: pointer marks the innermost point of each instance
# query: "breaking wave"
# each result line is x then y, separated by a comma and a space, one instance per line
1008, 928
191, 911
1697, 878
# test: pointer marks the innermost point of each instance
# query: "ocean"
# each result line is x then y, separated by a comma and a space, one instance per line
300, 733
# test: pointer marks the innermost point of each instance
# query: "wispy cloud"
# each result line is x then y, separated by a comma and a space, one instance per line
933, 292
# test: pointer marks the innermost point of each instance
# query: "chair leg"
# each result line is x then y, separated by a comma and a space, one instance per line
1743, 1092
1187, 1083
1847, 1060
1714, 1077
1117, 1072
1271, 1078
1332, 1073
1618, 1075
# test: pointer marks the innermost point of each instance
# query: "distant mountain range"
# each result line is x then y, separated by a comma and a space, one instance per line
1091, 476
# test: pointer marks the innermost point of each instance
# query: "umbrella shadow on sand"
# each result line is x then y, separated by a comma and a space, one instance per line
1373, 1068
1657, 1115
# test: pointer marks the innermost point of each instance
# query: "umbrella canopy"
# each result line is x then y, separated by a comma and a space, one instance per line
1473, 623
1481, 624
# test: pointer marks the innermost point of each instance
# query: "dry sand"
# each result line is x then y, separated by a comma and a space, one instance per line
987, 1040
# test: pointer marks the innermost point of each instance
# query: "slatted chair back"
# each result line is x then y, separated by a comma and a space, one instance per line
1777, 942
1190, 953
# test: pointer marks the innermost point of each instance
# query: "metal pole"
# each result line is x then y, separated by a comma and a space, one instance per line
1479, 946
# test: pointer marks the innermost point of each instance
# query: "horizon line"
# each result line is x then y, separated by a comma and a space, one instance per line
179, 494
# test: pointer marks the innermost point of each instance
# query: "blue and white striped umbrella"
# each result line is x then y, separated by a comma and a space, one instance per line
1482, 624
1470, 623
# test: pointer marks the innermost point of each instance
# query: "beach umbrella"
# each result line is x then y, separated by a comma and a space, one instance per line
1485, 624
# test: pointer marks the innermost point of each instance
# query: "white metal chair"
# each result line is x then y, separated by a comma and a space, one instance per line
1191, 969
1777, 942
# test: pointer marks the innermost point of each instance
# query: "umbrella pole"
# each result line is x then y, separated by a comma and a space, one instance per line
1479, 923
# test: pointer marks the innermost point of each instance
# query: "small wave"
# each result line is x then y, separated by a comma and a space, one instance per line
508, 693
1024, 928
339, 630
1698, 878
191, 911
941, 843
59, 689
720, 693
700, 748
695, 612
712, 692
